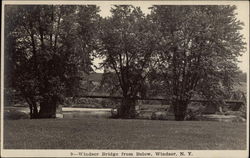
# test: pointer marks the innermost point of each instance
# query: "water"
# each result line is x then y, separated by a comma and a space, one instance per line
69, 112
82, 114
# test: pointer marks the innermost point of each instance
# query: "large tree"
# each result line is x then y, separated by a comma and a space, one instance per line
129, 46
45, 48
201, 46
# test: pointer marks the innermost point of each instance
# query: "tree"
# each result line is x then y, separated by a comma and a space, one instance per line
201, 46
129, 45
45, 48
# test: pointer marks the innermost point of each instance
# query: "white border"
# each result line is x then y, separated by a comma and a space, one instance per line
140, 2
2, 73
66, 153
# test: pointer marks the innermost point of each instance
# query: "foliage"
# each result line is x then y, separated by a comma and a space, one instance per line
200, 49
177, 52
129, 43
15, 115
46, 47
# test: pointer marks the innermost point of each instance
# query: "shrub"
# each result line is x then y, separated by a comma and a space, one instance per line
159, 115
15, 115
194, 111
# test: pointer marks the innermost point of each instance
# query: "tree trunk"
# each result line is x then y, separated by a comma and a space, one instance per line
180, 108
35, 114
127, 108
32, 107
48, 108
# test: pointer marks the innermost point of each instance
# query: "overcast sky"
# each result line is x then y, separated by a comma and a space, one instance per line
242, 11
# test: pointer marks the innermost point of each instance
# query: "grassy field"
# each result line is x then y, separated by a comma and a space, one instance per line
94, 133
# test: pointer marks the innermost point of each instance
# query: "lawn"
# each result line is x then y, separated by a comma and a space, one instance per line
99, 133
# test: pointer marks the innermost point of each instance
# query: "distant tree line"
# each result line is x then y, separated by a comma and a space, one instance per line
178, 51
242, 77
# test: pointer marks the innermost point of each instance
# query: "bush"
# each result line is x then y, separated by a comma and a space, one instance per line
159, 115
108, 103
91, 102
236, 113
114, 113
194, 111
243, 110
15, 115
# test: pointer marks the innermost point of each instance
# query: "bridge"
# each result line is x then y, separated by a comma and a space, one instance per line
159, 99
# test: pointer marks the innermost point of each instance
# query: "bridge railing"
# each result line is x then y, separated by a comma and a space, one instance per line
159, 99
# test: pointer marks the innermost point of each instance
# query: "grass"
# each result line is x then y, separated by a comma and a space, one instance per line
94, 133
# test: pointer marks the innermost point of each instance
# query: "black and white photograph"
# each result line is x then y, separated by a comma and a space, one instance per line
162, 79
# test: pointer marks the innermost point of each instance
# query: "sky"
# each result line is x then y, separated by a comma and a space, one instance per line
242, 15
